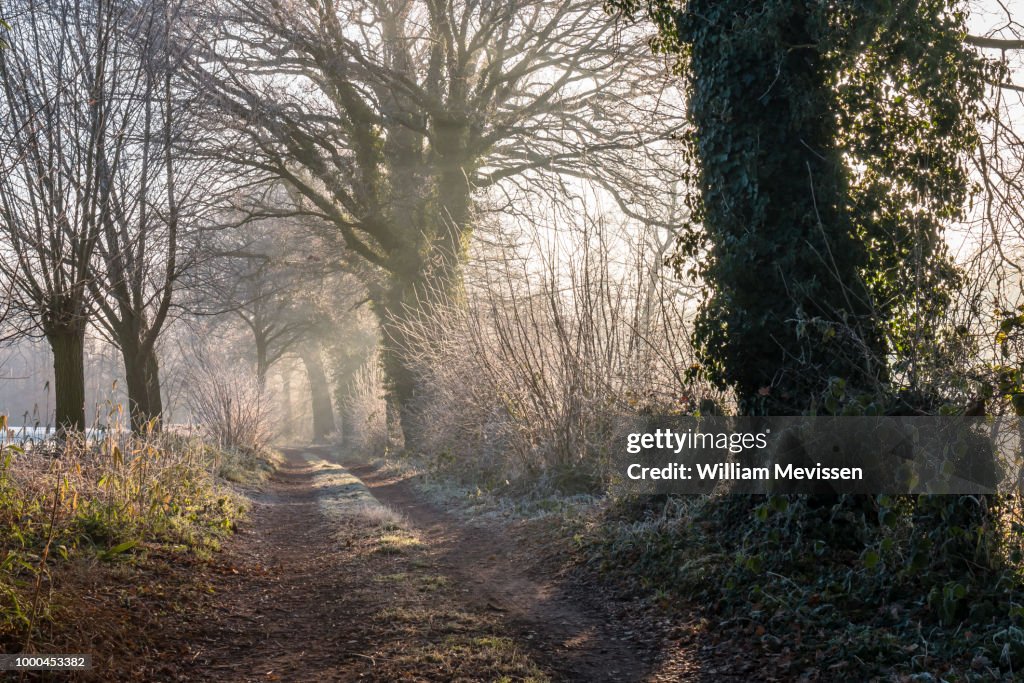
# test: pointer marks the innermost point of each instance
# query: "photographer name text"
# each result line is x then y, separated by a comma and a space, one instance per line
723, 471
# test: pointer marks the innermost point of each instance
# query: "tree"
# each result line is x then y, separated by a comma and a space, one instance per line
262, 274
392, 118
830, 145
157, 190
54, 132
95, 198
268, 272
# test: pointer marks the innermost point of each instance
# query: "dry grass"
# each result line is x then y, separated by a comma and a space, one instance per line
385, 518
460, 646
110, 499
398, 542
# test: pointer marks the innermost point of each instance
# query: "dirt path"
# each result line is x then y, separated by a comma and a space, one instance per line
280, 611
565, 629
325, 584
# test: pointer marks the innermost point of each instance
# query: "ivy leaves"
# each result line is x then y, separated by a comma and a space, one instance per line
829, 144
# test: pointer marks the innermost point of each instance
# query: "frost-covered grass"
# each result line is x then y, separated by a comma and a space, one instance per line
852, 588
109, 498
343, 498
479, 502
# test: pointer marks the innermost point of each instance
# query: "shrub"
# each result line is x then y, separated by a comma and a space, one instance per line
365, 408
534, 374
230, 406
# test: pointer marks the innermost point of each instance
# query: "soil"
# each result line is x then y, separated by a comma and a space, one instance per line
320, 586
573, 638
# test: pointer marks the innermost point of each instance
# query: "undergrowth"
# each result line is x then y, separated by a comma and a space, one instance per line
849, 587
466, 492
110, 499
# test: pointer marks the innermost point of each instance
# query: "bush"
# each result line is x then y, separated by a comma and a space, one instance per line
365, 409
230, 406
534, 375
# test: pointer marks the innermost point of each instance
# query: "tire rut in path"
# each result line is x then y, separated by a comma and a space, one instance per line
280, 603
301, 594
566, 628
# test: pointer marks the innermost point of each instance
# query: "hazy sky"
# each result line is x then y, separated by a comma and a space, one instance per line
1004, 20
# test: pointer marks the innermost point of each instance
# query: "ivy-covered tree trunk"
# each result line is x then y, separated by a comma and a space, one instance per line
789, 310
829, 143
399, 371
437, 220
68, 347
396, 308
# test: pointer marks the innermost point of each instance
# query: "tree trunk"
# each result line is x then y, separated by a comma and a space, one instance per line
156, 402
320, 393
416, 283
393, 312
142, 376
786, 269
401, 380
348, 423
68, 346
262, 362
286, 399
427, 264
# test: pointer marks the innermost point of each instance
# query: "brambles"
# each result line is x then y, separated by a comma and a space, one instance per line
531, 378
